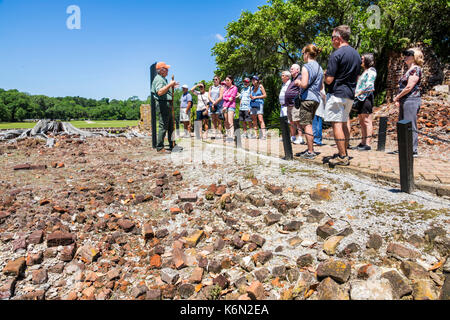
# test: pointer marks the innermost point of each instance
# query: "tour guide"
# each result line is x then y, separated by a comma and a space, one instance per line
163, 96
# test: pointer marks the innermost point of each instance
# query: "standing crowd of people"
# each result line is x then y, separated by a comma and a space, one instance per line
309, 96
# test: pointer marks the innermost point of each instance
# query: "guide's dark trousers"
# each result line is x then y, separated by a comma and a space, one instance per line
165, 121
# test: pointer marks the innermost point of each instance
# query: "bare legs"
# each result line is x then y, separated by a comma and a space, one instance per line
366, 122
341, 136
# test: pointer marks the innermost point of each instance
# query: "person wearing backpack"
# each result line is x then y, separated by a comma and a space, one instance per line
311, 82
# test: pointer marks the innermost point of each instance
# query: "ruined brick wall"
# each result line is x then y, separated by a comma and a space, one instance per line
435, 73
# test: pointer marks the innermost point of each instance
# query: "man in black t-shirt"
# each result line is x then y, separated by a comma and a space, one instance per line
344, 66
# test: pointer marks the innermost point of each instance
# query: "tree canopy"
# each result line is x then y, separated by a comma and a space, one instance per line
271, 39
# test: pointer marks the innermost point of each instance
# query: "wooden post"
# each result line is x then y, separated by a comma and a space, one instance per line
405, 155
153, 103
198, 129
288, 155
237, 133
382, 134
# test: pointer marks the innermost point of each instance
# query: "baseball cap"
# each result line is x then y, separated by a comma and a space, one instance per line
160, 65
185, 86
255, 78
246, 80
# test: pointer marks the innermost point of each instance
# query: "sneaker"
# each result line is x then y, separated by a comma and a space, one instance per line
292, 139
301, 153
393, 152
308, 155
338, 161
355, 147
415, 154
364, 148
299, 141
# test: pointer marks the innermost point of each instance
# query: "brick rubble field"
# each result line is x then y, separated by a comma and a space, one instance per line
109, 218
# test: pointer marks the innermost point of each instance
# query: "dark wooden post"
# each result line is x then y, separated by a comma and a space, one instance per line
382, 134
152, 108
237, 133
405, 155
288, 155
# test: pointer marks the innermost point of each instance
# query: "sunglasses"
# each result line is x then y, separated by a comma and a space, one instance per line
408, 53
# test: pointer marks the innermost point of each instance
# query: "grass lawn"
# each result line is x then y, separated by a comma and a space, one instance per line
77, 124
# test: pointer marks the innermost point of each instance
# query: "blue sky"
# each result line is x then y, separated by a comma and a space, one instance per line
111, 54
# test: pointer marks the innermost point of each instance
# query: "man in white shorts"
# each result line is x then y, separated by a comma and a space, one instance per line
185, 110
344, 66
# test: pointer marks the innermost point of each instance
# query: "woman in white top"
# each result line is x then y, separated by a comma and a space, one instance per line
202, 106
286, 78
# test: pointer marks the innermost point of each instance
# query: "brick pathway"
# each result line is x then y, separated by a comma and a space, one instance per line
431, 175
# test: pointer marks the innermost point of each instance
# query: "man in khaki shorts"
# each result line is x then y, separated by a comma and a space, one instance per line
342, 73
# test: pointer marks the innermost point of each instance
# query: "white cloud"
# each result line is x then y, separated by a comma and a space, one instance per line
220, 37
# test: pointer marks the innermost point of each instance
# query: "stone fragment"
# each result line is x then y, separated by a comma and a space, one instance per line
305, 261
292, 275
147, 231
371, 290
314, 216
88, 253
220, 191
34, 258
366, 271
20, 244
221, 281
400, 286
325, 231
237, 242
126, 224
169, 275
275, 190
262, 274
197, 275
161, 233
258, 240
15, 267
331, 244
295, 241
188, 208
256, 291
113, 274
263, 257
178, 258
194, 238
292, 226
349, 249
67, 253
39, 276
219, 244
59, 238
279, 271
154, 294
400, 251
346, 232
36, 237
416, 241
215, 267
425, 290
139, 291
328, 289
320, 193
445, 291
272, 218
57, 268
186, 290
338, 270
434, 232
375, 242
155, 261
413, 270
7, 289
188, 197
